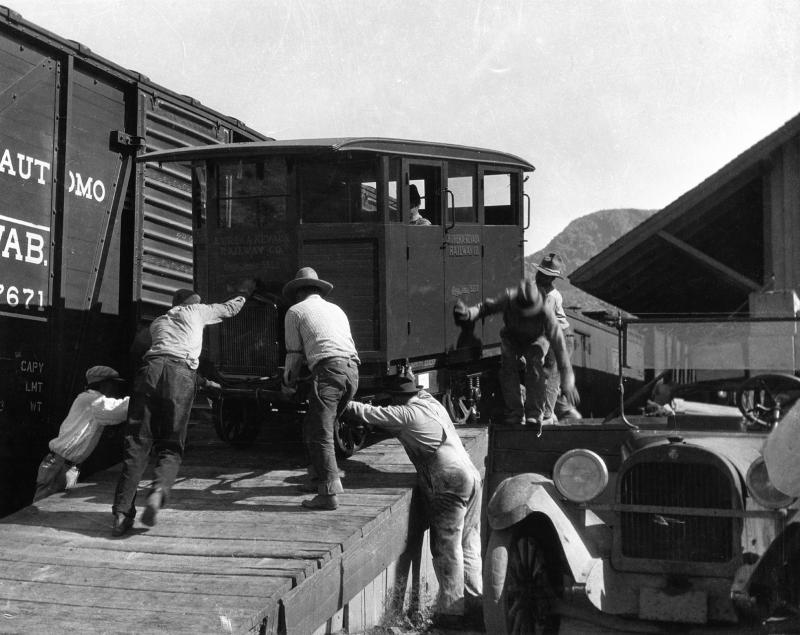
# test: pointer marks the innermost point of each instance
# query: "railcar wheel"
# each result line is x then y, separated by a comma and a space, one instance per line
519, 584
236, 420
347, 439
764, 399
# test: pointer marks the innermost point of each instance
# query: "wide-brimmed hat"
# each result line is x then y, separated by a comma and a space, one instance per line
401, 385
184, 297
529, 300
305, 277
96, 374
552, 265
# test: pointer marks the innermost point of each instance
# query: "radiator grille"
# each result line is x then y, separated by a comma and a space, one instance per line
250, 342
677, 537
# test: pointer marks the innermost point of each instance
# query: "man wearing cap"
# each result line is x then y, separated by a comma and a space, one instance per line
450, 485
530, 329
318, 334
547, 271
95, 408
161, 403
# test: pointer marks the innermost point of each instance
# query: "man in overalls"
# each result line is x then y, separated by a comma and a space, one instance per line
450, 485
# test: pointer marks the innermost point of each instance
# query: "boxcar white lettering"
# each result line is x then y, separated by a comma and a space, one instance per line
82, 189
23, 174
12, 248
6, 165
25, 165
35, 251
11, 243
41, 165
29, 366
93, 189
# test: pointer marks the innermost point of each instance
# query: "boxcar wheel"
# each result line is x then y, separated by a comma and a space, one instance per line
348, 440
518, 584
236, 420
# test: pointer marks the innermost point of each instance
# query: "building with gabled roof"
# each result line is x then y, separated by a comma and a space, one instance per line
722, 247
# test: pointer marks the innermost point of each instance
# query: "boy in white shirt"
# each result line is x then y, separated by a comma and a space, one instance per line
92, 410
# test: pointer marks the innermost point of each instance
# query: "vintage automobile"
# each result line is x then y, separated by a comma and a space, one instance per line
661, 517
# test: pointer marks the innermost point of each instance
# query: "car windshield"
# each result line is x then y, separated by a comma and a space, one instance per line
698, 367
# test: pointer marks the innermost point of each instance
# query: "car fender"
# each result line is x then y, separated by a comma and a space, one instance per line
522, 495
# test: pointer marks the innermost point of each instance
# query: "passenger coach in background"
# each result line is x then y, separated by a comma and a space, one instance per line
342, 207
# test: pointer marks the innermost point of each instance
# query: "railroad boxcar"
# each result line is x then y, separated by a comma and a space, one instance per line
341, 206
90, 242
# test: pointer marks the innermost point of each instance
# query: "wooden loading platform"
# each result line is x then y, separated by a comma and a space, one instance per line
233, 551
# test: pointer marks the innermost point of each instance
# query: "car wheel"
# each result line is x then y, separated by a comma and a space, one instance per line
520, 584
236, 421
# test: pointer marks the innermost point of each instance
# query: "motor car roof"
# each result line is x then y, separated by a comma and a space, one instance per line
376, 145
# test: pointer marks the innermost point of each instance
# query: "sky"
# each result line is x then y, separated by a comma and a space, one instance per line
618, 103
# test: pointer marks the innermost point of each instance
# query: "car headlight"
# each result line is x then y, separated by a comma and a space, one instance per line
762, 490
580, 475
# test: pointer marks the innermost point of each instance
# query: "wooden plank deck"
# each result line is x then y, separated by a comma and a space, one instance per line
233, 550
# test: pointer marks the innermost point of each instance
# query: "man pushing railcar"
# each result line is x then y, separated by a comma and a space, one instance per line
318, 334
451, 489
530, 330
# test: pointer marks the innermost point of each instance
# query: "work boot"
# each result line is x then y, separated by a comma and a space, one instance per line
322, 501
569, 412
154, 502
122, 524
535, 424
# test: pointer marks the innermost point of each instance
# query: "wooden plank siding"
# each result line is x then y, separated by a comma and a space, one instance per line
233, 550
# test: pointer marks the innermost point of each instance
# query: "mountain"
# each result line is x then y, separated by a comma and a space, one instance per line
582, 239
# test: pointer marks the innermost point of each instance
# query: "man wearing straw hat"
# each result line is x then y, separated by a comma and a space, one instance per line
547, 271
318, 334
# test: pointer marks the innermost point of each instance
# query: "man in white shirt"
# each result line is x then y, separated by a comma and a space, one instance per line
318, 335
450, 485
553, 404
93, 410
163, 393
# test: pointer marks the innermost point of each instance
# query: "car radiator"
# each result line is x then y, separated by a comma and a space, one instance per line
670, 535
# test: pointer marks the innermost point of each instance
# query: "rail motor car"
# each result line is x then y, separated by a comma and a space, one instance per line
341, 206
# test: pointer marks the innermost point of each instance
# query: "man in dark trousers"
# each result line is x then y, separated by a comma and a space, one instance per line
530, 330
163, 392
451, 489
318, 335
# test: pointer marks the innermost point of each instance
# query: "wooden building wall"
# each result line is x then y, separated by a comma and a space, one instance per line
782, 217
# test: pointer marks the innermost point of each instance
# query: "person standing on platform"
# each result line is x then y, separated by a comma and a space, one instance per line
318, 335
529, 330
547, 271
451, 488
95, 408
163, 393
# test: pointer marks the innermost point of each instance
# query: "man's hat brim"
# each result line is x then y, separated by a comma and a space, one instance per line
553, 273
121, 380
405, 391
291, 287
